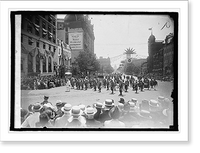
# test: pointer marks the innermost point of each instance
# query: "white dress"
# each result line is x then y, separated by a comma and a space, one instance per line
68, 85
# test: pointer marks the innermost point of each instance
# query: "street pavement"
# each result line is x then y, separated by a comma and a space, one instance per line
88, 97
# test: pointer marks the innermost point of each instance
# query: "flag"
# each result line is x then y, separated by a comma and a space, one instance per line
36, 27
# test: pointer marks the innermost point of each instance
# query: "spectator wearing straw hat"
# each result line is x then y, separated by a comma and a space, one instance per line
90, 121
104, 116
114, 114
98, 107
74, 121
33, 118
62, 121
59, 112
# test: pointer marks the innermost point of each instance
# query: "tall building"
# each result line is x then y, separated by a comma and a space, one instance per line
38, 43
79, 33
168, 53
62, 35
155, 58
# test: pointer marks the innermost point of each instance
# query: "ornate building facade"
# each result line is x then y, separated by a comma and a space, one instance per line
38, 44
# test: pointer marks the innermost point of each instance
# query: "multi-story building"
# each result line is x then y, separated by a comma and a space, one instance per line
38, 43
155, 58
64, 55
168, 53
77, 31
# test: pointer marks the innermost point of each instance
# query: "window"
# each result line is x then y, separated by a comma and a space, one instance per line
29, 28
44, 64
43, 25
49, 47
54, 40
49, 28
38, 44
49, 64
54, 31
54, 23
37, 59
37, 32
43, 45
30, 41
50, 18
37, 20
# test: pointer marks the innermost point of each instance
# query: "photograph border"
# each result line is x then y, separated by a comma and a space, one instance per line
172, 15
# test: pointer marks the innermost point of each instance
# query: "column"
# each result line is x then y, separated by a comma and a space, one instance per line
47, 64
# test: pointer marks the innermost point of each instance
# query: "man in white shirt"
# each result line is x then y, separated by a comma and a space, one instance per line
31, 120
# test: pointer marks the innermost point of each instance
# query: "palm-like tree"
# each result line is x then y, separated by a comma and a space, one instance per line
130, 51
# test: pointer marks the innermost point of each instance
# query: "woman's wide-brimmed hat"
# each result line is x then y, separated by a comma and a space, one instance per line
67, 108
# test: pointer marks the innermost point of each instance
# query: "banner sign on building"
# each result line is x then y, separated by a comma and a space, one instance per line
76, 40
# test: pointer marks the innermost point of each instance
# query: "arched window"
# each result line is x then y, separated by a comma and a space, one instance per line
37, 59
49, 64
44, 64
30, 63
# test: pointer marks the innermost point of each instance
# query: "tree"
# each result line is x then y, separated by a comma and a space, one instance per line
87, 62
109, 69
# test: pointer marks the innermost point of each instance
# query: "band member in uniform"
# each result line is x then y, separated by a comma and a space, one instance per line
99, 85
120, 88
126, 85
112, 85
136, 86
95, 84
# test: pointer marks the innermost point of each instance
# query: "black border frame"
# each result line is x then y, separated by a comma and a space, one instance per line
173, 15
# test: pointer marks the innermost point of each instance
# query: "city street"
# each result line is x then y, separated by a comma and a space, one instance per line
89, 96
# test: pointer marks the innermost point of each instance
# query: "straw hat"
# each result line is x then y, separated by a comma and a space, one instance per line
108, 103
67, 108
36, 107
76, 111
160, 98
134, 100
154, 106
98, 105
90, 111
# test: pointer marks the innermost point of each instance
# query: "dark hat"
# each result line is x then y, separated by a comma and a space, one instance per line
121, 100
46, 97
59, 103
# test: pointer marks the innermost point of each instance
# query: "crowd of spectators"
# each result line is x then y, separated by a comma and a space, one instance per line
107, 114
41, 82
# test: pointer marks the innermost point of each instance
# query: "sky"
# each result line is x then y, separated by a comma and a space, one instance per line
115, 33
